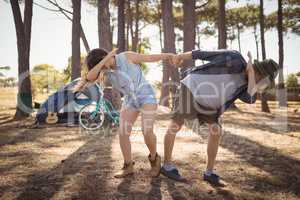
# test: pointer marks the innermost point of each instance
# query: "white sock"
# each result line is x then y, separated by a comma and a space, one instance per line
208, 172
169, 167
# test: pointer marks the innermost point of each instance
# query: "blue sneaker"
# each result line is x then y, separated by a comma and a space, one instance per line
213, 179
172, 174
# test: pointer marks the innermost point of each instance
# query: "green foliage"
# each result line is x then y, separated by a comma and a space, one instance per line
291, 19
8, 82
45, 78
208, 13
246, 16
5, 68
144, 46
292, 81
67, 71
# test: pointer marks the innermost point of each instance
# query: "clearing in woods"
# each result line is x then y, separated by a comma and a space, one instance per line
257, 159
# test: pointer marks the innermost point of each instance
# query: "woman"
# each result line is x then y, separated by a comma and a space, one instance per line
124, 73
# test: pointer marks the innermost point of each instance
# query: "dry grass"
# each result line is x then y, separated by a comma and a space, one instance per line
259, 158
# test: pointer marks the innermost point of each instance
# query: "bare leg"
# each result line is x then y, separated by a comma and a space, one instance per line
127, 118
148, 117
213, 144
169, 139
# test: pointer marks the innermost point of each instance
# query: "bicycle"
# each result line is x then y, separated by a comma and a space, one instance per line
100, 114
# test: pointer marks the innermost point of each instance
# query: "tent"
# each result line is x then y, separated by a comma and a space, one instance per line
65, 104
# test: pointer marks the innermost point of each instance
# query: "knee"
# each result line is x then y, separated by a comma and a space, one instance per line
125, 130
175, 125
148, 131
215, 131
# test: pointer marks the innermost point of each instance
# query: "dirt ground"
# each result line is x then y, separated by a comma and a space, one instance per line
259, 158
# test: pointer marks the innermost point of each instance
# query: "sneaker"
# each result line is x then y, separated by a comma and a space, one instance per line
172, 173
126, 170
214, 179
155, 165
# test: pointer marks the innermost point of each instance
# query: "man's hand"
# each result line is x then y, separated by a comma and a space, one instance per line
249, 56
176, 61
251, 76
249, 68
249, 64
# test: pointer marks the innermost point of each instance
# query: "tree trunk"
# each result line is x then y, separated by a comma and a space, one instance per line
221, 25
23, 33
262, 29
239, 38
105, 42
130, 24
84, 40
198, 37
76, 30
104, 32
82, 34
256, 42
231, 38
222, 32
112, 31
189, 25
121, 25
169, 46
281, 87
127, 25
264, 100
136, 26
160, 34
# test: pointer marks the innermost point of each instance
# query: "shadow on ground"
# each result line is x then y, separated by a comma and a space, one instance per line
83, 173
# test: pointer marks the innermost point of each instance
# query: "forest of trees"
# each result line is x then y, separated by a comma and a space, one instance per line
192, 18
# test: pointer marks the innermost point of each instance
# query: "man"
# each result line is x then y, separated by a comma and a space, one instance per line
206, 91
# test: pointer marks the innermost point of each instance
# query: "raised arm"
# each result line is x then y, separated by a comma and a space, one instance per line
185, 56
93, 73
250, 95
139, 58
198, 54
251, 76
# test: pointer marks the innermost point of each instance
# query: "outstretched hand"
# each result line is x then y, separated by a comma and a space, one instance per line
176, 60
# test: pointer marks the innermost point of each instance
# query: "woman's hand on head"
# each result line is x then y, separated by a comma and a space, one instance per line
94, 72
113, 52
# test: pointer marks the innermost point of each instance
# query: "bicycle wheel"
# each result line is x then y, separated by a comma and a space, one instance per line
90, 119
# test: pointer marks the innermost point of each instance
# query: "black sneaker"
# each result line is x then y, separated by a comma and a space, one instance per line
214, 179
172, 174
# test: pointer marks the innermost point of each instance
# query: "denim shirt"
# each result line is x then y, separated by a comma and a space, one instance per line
128, 77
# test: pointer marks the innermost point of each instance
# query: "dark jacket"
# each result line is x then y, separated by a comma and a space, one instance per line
223, 62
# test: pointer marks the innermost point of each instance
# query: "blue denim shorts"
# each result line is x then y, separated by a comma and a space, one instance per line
144, 95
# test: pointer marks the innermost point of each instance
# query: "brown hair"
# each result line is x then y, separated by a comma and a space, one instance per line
92, 59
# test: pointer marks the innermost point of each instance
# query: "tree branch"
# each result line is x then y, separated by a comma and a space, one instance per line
64, 12
59, 7
203, 5
44, 7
